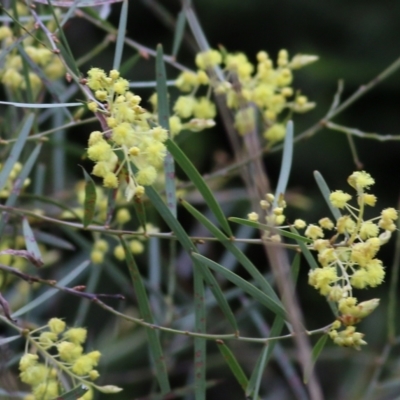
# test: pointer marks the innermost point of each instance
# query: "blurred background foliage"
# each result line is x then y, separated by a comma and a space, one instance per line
355, 42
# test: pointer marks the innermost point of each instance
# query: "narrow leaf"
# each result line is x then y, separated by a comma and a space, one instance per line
200, 184
240, 256
264, 358
200, 344
89, 204
190, 248
163, 120
54, 241
73, 394
147, 315
41, 105
63, 44
125, 68
247, 287
255, 379
111, 204
18, 184
9, 339
13, 157
51, 292
119, 46
323, 187
233, 364
179, 32
286, 165
31, 244
316, 351
218, 294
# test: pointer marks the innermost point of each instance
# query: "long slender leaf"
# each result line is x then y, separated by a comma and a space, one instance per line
270, 350
26, 126
163, 119
119, 45
247, 287
255, 379
200, 184
323, 187
147, 315
200, 344
240, 256
63, 45
190, 248
233, 364
73, 394
19, 182
286, 165
9, 339
41, 105
54, 241
51, 292
128, 64
31, 244
179, 32
316, 351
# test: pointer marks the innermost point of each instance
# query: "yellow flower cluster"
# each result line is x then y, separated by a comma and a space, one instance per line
351, 262
190, 112
45, 380
348, 257
129, 133
262, 91
11, 73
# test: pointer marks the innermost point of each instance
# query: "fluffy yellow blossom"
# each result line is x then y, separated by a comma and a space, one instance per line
339, 199
208, 59
56, 325
360, 180
69, 351
184, 106
76, 335
326, 223
314, 232
275, 133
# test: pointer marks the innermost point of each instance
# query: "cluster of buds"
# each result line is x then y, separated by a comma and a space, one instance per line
275, 214
128, 132
45, 378
11, 73
261, 91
